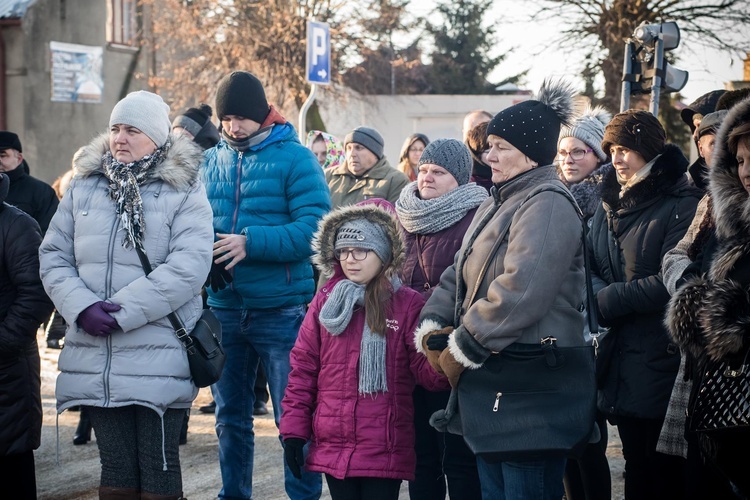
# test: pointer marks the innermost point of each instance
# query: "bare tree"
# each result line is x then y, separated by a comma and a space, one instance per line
603, 26
200, 41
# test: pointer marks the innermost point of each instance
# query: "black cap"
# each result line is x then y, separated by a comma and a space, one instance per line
9, 140
704, 105
241, 94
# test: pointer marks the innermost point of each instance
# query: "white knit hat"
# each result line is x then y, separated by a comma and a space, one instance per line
145, 111
589, 128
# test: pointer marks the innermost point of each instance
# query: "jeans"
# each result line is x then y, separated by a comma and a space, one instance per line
532, 480
250, 336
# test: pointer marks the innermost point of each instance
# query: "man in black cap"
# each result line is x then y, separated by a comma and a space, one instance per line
31, 195
366, 172
268, 193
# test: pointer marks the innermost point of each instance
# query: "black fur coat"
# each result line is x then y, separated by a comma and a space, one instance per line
709, 316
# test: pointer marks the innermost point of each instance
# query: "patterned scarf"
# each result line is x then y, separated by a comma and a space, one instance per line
420, 216
335, 316
124, 189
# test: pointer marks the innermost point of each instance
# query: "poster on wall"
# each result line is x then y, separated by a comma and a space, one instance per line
76, 72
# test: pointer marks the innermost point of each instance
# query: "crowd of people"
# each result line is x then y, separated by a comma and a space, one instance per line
354, 293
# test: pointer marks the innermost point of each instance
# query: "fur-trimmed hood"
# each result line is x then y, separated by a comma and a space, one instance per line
179, 169
587, 193
731, 200
667, 177
324, 241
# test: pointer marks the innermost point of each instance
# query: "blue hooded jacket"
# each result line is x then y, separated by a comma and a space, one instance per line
275, 194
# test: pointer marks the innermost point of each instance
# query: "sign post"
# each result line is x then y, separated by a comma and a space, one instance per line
317, 67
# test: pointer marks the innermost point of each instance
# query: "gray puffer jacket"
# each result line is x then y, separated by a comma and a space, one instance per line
82, 261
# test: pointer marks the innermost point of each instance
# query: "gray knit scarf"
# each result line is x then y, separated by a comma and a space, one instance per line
420, 216
248, 142
125, 180
335, 316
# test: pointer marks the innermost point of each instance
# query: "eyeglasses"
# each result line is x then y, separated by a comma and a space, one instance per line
356, 253
416, 150
576, 154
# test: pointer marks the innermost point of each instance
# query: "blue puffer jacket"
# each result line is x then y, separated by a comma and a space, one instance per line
274, 193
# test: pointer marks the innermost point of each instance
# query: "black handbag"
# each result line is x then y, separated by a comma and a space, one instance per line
529, 402
722, 401
203, 345
532, 401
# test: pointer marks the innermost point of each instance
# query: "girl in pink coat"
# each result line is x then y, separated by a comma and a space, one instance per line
354, 365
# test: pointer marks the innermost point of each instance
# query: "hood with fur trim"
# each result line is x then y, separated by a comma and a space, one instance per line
709, 315
179, 169
731, 200
324, 241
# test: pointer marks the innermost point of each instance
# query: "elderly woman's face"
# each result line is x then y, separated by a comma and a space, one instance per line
434, 181
505, 160
743, 163
128, 144
626, 161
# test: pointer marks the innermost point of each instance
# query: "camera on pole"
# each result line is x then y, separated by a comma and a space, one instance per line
645, 68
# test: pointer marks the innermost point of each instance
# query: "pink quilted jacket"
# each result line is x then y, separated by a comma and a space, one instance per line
353, 435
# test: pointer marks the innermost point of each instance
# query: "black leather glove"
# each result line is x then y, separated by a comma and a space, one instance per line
218, 277
294, 456
438, 341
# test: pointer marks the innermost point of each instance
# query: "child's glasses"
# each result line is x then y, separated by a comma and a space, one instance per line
356, 253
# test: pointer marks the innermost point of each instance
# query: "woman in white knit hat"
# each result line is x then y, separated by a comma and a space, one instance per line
136, 186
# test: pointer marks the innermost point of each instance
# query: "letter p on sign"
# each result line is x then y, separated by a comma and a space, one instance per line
318, 53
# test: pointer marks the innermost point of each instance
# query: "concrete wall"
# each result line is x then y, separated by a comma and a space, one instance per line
397, 117
51, 132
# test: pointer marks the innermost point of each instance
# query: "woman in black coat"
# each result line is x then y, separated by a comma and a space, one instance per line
23, 307
647, 205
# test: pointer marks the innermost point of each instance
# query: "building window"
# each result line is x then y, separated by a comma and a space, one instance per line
122, 22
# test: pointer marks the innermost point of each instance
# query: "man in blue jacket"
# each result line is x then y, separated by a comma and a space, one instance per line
267, 193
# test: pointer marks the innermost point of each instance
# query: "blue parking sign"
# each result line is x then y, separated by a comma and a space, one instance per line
318, 53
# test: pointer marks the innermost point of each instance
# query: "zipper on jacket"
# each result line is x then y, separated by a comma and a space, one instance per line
237, 191
108, 288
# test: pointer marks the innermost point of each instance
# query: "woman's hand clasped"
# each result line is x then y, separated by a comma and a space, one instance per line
96, 319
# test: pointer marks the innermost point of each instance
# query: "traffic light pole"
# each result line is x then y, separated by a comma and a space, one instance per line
626, 69
658, 71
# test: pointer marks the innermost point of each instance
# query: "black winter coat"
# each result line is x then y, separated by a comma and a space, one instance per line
23, 307
629, 238
33, 196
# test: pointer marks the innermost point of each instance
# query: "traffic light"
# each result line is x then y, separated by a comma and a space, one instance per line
645, 69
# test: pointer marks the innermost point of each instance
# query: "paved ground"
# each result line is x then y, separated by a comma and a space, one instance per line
77, 475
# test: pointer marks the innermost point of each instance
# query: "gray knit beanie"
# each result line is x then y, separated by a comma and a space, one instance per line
369, 138
589, 128
450, 154
361, 233
145, 111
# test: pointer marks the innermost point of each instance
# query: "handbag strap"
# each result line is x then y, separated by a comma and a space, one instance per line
590, 297
179, 329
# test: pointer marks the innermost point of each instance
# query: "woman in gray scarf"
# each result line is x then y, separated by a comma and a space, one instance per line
434, 212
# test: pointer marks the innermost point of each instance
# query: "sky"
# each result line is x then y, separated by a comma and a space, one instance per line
535, 50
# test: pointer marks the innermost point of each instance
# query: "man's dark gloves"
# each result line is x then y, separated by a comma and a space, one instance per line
96, 320
294, 456
218, 277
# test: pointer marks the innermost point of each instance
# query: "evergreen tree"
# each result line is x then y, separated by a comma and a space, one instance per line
461, 61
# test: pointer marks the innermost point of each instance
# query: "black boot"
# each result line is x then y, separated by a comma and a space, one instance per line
83, 431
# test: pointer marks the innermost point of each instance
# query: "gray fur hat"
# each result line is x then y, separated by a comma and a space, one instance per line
533, 126
589, 128
362, 233
369, 138
145, 111
452, 155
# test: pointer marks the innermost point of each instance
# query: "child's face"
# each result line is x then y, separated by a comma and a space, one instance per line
359, 271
